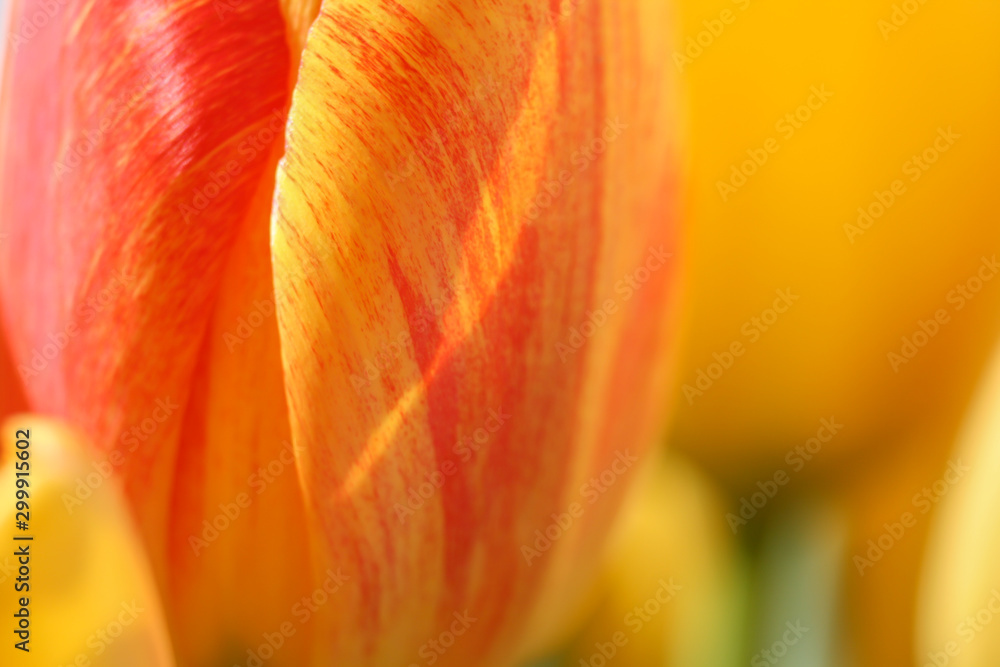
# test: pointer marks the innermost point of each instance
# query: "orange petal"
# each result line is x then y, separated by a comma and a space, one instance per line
89, 591
138, 160
462, 345
299, 15
237, 545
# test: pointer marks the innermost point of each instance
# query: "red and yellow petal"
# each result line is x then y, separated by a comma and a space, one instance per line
470, 239
139, 145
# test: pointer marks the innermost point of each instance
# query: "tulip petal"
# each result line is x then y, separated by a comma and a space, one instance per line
12, 397
91, 598
140, 140
470, 239
959, 596
671, 585
123, 112
238, 550
299, 16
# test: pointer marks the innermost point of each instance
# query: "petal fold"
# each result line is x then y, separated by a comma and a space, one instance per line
140, 140
472, 237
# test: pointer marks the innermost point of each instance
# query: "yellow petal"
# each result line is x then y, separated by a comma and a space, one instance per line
76, 579
671, 587
802, 306
869, 107
960, 596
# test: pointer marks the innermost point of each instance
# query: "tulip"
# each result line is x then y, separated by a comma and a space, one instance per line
843, 253
357, 301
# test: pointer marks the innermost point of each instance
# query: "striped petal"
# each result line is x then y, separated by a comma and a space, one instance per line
140, 140
471, 237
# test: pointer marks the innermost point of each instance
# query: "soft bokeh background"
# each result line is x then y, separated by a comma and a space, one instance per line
842, 231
